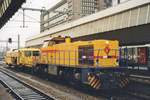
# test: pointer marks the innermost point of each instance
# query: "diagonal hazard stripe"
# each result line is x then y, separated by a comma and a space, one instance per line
127, 80
122, 82
97, 83
89, 78
98, 86
92, 80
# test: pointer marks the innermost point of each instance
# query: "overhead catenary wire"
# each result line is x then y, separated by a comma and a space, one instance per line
25, 21
30, 17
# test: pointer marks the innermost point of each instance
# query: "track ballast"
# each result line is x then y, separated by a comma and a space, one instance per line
21, 90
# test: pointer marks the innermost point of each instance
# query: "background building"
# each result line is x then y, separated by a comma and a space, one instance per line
122, 22
69, 10
116, 2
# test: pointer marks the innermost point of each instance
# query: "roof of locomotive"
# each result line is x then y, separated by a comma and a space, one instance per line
29, 49
59, 38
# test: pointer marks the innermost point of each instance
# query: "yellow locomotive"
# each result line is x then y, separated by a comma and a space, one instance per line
96, 53
90, 62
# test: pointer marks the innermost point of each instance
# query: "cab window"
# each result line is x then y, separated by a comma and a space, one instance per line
27, 53
36, 53
48, 43
45, 44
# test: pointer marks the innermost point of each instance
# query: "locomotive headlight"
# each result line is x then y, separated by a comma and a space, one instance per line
83, 57
107, 42
117, 64
97, 61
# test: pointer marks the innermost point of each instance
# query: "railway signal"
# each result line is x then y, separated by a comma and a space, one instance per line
10, 40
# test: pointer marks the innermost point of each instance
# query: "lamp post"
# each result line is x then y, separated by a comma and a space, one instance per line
18, 41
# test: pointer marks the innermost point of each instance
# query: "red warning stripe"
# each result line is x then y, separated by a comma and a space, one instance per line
105, 57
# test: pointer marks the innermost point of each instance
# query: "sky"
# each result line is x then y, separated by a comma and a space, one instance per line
32, 25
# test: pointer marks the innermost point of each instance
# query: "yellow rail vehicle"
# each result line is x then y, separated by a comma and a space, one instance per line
8, 58
11, 57
96, 53
92, 62
25, 57
28, 57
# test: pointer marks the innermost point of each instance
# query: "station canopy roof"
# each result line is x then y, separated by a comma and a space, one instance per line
8, 9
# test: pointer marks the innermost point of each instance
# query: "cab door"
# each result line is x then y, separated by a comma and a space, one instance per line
28, 58
86, 54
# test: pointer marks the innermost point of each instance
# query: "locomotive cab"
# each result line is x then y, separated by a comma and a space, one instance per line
56, 40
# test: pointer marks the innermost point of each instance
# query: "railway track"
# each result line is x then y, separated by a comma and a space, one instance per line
51, 88
21, 90
136, 91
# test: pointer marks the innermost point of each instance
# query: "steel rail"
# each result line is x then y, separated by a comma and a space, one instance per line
20, 89
114, 94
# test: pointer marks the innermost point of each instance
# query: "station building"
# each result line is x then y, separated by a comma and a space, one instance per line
68, 10
126, 21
